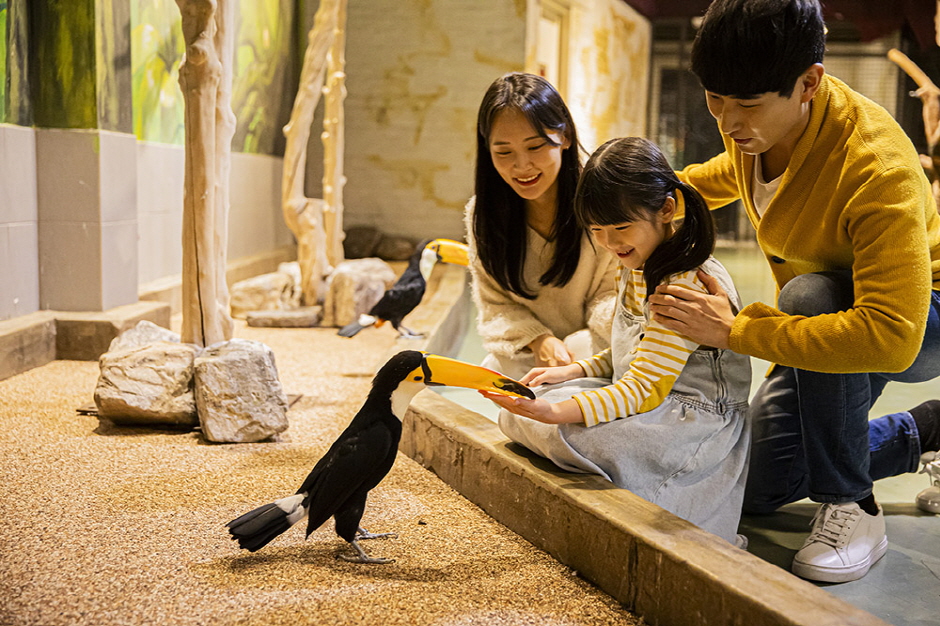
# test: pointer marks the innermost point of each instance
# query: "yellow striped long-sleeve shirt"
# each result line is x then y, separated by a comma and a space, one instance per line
656, 356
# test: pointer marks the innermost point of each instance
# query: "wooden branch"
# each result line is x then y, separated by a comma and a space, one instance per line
333, 138
313, 259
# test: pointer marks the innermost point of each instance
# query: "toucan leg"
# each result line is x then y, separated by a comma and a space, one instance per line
405, 333
362, 533
362, 557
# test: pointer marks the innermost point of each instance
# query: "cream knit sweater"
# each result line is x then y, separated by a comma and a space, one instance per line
507, 323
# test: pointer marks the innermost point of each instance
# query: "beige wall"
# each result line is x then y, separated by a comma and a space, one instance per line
416, 72
608, 70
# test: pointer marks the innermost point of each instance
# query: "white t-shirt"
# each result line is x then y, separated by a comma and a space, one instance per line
763, 191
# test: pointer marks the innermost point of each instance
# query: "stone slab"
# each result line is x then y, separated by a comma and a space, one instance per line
26, 342
84, 336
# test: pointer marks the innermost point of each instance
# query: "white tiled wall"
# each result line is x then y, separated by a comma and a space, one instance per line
19, 254
86, 190
255, 221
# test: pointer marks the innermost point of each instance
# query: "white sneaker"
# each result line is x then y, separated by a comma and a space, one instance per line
929, 499
845, 542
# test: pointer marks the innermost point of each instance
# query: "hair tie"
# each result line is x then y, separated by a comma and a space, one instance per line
680, 202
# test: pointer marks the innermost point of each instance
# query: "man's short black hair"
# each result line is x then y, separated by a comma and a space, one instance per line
749, 47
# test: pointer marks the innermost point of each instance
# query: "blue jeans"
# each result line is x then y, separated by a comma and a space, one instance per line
811, 436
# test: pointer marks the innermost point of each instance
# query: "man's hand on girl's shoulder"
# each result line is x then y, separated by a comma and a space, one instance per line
703, 318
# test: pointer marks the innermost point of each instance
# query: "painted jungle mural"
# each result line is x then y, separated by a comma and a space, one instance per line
262, 54
3, 62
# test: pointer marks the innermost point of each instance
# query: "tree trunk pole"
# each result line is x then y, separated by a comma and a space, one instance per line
206, 320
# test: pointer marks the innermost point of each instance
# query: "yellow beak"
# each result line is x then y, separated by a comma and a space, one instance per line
450, 251
440, 370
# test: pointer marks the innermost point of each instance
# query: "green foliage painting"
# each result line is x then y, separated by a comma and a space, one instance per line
3, 62
156, 52
262, 54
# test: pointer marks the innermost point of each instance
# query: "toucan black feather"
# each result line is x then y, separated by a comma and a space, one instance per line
364, 453
399, 300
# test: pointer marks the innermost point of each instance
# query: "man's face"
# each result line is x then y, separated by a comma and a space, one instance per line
764, 121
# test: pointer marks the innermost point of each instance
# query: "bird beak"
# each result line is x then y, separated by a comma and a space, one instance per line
450, 251
440, 370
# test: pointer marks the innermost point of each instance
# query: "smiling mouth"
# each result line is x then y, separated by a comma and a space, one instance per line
528, 181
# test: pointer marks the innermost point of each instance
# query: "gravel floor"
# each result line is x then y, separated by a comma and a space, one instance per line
109, 525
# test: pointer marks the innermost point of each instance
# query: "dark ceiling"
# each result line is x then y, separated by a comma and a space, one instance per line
870, 18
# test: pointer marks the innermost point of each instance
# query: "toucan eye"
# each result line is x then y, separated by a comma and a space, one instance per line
419, 377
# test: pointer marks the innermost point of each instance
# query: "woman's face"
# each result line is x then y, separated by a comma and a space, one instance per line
524, 159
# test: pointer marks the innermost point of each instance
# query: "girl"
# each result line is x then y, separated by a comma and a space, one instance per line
671, 428
536, 278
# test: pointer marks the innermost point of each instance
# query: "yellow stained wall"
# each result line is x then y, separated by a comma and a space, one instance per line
607, 77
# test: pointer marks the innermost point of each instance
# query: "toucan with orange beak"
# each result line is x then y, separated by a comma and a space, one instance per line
402, 298
363, 454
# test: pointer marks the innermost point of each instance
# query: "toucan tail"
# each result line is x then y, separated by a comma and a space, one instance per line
350, 329
255, 529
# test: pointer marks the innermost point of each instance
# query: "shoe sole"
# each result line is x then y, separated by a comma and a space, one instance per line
841, 574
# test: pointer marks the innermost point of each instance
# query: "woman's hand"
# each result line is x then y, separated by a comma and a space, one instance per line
549, 351
551, 375
565, 412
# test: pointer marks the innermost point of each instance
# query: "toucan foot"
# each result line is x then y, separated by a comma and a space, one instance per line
362, 533
405, 333
362, 557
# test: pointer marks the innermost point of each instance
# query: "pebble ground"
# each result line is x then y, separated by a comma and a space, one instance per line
105, 525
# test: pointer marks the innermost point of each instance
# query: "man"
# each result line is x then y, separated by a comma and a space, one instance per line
845, 217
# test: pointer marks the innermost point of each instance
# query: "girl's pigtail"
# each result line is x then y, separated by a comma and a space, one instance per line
691, 244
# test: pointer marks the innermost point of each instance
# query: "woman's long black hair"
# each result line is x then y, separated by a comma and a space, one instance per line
499, 224
629, 179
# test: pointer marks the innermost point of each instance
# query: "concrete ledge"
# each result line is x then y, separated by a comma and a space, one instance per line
26, 342
84, 336
658, 565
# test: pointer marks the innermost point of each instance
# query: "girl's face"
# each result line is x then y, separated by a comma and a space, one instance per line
633, 242
525, 160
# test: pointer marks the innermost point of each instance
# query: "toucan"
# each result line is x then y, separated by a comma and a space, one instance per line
407, 292
364, 453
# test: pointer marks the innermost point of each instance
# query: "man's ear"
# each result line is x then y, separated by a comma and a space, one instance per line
810, 81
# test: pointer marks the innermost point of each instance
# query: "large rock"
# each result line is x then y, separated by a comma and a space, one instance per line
354, 288
145, 332
292, 269
301, 317
238, 394
150, 384
393, 248
361, 241
265, 292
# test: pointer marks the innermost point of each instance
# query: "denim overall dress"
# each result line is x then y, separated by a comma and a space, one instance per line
688, 455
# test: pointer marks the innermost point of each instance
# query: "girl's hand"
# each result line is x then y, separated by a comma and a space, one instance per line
550, 351
551, 375
566, 412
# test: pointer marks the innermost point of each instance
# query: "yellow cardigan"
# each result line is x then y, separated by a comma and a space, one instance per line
854, 196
